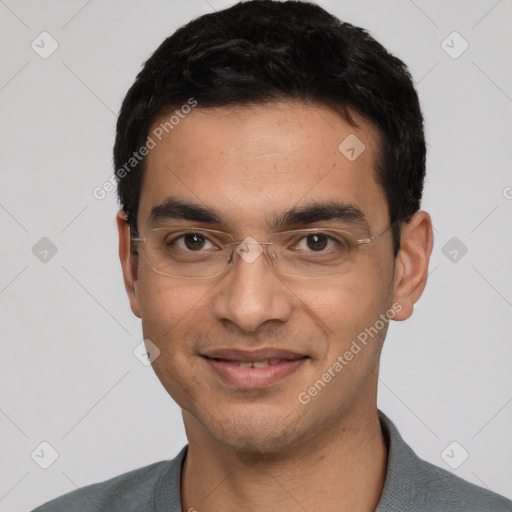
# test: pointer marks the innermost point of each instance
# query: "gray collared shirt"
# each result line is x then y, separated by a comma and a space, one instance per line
411, 485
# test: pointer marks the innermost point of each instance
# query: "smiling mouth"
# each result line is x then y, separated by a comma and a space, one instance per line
256, 364
247, 374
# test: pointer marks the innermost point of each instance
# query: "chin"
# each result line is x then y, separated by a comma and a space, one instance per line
256, 434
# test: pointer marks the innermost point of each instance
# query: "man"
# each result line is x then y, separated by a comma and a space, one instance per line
270, 163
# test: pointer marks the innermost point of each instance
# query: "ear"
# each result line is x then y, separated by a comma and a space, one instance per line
128, 262
411, 268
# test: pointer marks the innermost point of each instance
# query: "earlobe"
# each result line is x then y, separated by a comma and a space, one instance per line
411, 270
128, 263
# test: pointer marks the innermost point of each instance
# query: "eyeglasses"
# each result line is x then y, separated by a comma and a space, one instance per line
191, 253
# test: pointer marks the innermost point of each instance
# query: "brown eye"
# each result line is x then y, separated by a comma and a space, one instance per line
317, 242
194, 241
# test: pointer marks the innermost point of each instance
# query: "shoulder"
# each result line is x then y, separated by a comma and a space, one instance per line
418, 486
139, 490
443, 490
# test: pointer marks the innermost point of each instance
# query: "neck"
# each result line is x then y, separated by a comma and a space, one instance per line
343, 468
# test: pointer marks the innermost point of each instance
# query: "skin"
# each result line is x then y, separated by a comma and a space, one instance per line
261, 449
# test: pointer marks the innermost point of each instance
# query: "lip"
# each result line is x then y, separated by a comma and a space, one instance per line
225, 363
234, 354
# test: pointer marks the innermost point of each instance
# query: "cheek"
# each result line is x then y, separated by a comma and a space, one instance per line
173, 312
347, 311
345, 304
170, 308
357, 335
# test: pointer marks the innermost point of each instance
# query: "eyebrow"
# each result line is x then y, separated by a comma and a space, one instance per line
175, 209
321, 211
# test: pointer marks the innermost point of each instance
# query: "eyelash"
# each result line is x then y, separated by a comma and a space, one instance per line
181, 236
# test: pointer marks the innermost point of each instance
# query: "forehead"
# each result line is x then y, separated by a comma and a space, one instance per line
252, 162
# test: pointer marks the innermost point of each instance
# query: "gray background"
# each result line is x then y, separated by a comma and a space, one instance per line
68, 373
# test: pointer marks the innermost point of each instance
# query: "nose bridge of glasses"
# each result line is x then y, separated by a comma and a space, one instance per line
249, 250
251, 240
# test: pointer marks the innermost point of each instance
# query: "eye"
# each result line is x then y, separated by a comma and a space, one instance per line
191, 242
319, 242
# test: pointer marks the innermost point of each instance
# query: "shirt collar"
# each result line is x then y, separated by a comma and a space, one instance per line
407, 477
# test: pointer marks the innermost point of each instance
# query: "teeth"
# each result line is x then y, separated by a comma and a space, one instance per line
260, 364
257, 364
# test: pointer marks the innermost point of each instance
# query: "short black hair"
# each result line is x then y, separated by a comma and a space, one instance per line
260, 51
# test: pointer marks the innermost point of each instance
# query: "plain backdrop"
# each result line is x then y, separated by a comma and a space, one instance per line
68, 374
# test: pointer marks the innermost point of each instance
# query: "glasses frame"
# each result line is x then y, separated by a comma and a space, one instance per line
362, 241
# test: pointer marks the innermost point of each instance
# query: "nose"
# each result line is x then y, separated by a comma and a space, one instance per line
251, 293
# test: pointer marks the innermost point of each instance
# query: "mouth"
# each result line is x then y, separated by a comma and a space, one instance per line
255, 364
253, 369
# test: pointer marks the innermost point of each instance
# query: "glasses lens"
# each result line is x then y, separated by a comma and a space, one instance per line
198, 254
189, 253
311, 253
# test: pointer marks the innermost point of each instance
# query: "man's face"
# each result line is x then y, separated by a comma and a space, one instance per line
251, 165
